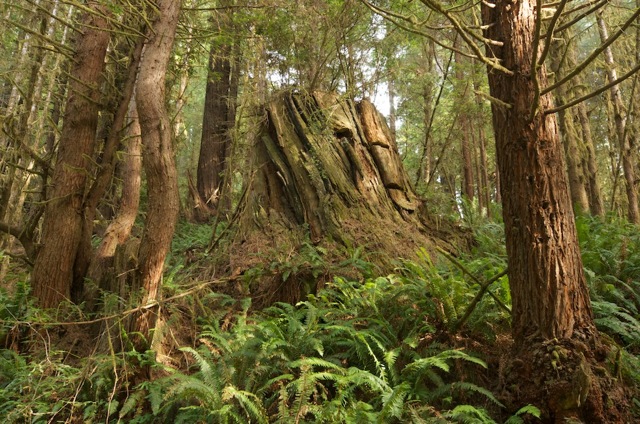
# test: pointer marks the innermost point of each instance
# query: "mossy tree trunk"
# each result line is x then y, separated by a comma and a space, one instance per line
62, 227
218, 122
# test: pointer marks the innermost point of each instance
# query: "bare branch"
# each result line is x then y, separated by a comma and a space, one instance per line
465, 34
598, 5
595, 93
595, 53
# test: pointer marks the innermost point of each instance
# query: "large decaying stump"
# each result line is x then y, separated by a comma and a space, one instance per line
326, 173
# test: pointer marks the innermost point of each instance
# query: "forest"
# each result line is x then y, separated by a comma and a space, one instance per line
319, 211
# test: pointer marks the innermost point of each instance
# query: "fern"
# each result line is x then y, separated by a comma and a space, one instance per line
249, 402
517, 417
469, 415
393, 402
617, 321
440, 361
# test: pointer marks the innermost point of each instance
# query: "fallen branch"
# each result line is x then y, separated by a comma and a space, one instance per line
473, 277
483, 289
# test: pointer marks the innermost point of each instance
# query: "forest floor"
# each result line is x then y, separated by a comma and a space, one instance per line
400, 346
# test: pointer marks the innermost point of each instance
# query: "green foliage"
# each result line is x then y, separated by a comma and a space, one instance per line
48, 390
304, 268
350, 354
611, 257
354, 352
13, 307
447, 291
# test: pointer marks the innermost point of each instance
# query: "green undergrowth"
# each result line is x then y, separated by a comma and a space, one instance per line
410, 347
356, 352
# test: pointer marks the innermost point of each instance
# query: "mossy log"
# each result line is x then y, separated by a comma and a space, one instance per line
327, 173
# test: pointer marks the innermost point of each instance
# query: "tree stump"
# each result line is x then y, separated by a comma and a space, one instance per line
326, 178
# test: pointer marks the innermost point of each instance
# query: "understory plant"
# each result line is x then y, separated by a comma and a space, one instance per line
356, 352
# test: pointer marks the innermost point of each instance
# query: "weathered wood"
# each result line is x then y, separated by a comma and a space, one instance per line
327, 171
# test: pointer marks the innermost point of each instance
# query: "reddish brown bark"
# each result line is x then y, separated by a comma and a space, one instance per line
550, 297
119, 229
104, 174
158, 159
551, 306
53, 269
217, 124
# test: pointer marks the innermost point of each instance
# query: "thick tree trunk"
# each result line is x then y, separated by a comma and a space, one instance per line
158, 160
327, 173
550, 297
53, 270
105, 173
217, 124
551, 307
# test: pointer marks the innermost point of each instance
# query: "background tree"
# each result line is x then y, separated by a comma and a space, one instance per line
219, 117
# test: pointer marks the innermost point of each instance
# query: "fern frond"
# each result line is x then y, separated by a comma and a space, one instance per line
517, 419
315, 362
440, 361
132, 402
393, 402
250, 403
208, 374
463, 386
470, 415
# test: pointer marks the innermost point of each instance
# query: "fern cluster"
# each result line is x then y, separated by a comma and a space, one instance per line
611, 256
353, 353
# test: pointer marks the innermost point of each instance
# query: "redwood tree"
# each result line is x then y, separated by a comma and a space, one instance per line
62, 227
218, 121
550, 297
551, 305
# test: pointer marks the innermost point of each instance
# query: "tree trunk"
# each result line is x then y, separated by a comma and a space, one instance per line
596, 204
217, 123
551, 306
119, 230
53, 270
484, 189
627, 155
326, 173
105, 172
424, 167
464, 121
563, 58
548, 300
158, 161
